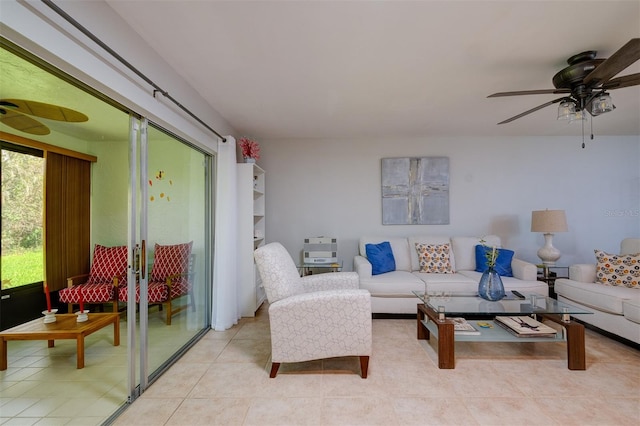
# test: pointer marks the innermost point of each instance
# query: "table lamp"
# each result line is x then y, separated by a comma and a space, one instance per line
548, 222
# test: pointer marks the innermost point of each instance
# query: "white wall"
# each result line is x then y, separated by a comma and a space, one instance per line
333, 188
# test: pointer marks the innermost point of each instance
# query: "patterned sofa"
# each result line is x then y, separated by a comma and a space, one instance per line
610, 289
455, 273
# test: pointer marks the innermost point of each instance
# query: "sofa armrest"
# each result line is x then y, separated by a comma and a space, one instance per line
583, 272
362, 266
524, 270
331, 281
77, 279
319, 325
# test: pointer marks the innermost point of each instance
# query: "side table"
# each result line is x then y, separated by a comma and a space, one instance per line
310, 268
549, 275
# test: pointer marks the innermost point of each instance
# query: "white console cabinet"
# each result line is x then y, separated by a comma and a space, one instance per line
251, 227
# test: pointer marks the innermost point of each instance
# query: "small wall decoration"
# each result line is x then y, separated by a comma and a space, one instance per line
415, 191
161, 187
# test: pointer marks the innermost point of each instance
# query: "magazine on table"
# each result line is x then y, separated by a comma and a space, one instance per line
463, 327
525, 326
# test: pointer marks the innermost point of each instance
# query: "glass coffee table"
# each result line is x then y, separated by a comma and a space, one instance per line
434, 313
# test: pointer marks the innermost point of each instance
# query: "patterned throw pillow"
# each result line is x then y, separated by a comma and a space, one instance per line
170, 260
108, 262
434, 258
618, 270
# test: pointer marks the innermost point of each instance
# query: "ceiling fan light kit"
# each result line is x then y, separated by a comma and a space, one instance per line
566, 110
584, 84
602, 104
580, 115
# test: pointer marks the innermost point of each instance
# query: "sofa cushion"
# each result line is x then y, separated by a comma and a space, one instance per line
604, 298
464, 249
381, 258
108, 262
618, 270
632, 310
503, 261
399, 247
395, 283
434, 258
91, 293
457, 284
427, 239
170, 260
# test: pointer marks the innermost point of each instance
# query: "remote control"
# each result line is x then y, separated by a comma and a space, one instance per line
517, 294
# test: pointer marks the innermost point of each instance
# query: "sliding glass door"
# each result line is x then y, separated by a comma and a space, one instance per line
149, 191
169, 233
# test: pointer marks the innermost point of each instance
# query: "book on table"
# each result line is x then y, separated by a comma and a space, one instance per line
463, 327
525, 326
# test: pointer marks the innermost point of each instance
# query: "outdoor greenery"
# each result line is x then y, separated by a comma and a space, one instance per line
22, 211
22, 268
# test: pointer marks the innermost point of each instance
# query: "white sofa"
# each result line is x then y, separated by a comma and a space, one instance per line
616, 309
391, 292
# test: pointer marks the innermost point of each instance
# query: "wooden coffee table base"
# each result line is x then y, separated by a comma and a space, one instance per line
446, 338
65, 327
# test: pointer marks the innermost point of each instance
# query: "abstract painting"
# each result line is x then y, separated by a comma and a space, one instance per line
415, 191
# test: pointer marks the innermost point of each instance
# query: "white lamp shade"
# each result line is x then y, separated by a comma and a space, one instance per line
548, 221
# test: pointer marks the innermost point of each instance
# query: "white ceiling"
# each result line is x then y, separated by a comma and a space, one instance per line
318, 69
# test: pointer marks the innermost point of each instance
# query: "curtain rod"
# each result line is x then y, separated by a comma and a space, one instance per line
113, 53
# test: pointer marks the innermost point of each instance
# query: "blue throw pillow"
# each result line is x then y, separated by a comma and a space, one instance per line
381, 258
503, 262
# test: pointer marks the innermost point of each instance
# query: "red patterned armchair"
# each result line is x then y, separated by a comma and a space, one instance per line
171, 278
108, 273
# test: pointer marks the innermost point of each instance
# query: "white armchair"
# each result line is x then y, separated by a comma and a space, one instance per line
313, 317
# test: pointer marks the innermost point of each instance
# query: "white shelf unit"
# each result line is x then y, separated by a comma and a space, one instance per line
251, 232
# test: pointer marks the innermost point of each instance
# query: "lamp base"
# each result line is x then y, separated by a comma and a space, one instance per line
548, 253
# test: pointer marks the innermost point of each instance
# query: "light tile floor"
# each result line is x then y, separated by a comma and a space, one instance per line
42, 386
224, 380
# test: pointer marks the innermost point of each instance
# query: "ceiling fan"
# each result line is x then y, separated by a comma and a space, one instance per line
15, 113
585, 83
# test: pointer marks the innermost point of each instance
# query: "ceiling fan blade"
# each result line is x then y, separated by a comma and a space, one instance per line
625, 56
8, 104
546, 104
22, 122
625, 81
39, 109
529, 92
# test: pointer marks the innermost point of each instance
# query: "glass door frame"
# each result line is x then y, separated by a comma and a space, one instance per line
137, 258
139, 379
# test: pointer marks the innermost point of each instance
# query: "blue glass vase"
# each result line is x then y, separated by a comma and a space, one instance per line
490, 287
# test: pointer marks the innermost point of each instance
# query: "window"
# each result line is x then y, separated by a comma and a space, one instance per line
22, 216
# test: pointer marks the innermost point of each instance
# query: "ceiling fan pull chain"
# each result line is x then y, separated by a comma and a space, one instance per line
583, 133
